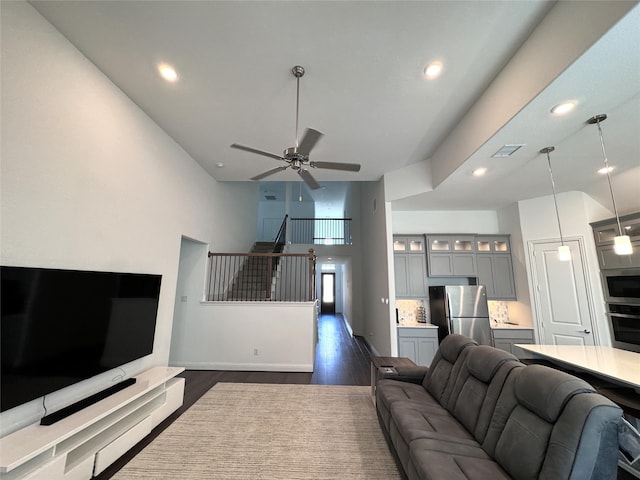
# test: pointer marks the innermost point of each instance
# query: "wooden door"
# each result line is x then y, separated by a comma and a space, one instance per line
561, 295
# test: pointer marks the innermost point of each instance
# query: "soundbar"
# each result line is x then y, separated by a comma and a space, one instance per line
85, 402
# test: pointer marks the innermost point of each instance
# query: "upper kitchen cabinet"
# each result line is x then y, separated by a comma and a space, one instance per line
451, 255
406, 244
604, 232
409, 264
494, 265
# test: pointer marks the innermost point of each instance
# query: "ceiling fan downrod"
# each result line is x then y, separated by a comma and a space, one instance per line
298, 72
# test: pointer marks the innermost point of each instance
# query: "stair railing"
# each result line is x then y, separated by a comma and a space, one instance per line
262, 277
281, 237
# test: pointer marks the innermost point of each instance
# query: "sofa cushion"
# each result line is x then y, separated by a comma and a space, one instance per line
539, 429
478, 386
445, 366
545, 391
389, 391
437, 460
411, 420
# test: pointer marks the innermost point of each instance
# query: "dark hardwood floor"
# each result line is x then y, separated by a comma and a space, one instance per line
340, 360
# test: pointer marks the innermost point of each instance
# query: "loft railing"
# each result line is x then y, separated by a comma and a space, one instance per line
320, 231
262, 277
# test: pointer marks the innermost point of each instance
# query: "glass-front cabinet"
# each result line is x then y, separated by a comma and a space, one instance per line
451, 255
409, 264
495, 267
492, 244
486, 257
413, 244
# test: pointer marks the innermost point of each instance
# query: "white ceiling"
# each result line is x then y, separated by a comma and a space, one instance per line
363, 87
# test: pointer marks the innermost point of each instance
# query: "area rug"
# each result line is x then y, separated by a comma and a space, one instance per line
270, 432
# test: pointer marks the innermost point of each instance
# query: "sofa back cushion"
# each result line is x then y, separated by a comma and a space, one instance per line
545, 421
445, 366
478, 386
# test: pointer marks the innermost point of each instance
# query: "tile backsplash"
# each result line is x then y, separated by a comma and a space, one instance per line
498, 311
408, 310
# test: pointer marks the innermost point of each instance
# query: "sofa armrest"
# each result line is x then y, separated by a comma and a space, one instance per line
413, 374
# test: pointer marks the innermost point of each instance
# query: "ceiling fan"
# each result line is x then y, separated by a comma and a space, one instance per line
297, 157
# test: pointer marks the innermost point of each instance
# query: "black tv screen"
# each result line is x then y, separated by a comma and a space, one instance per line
60, 327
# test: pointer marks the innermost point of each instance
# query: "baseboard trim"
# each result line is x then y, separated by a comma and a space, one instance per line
250, 367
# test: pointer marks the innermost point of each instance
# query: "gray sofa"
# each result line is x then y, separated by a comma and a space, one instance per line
478, 413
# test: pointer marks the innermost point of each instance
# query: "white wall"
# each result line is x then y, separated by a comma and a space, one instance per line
378, 323
450, 221
90, 182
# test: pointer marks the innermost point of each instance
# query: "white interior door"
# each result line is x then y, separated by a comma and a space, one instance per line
561, 296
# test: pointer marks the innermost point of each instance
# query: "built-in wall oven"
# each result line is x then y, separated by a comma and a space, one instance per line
622, 286
622, 291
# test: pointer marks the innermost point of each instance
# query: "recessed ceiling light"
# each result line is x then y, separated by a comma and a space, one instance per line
433, 70
478, 172
605, 170
562, 108
219, 164
168, 72
507, 151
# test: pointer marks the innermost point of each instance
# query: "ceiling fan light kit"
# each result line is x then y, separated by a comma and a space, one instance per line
297, 158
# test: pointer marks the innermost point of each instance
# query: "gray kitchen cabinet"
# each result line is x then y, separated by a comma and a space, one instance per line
605, 230
495, 267
418, 344
410, 274
608, 258
451, 255
409, 265
506, 338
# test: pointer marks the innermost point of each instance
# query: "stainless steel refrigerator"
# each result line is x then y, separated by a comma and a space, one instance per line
461, 309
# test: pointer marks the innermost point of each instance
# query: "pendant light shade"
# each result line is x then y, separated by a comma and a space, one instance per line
564, 254
621, 243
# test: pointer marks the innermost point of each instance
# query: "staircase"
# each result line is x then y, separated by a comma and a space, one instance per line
253, 278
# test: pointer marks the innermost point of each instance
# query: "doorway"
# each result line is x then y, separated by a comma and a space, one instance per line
328, 293
561, 294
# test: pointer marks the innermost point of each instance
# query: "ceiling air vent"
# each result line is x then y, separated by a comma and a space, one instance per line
507, 151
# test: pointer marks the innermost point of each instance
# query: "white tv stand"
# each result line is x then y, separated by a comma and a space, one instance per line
85, 443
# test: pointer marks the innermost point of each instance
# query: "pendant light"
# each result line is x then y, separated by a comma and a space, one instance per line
621, 242
564, 254
300, 193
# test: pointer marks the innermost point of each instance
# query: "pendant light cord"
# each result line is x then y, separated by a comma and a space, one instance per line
606, 166
297, 107
555, 201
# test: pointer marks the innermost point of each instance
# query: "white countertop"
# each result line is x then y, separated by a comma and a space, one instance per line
510, 326
619, 365
406, 324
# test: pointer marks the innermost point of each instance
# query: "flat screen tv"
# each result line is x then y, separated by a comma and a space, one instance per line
60, 327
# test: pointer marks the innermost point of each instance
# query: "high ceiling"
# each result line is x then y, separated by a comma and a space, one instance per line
364, 88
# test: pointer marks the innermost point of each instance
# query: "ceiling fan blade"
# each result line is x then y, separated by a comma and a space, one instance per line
309, 140
259, 152
270, 172
308, 179
349, 167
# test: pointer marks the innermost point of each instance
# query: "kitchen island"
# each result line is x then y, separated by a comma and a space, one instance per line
618, 366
